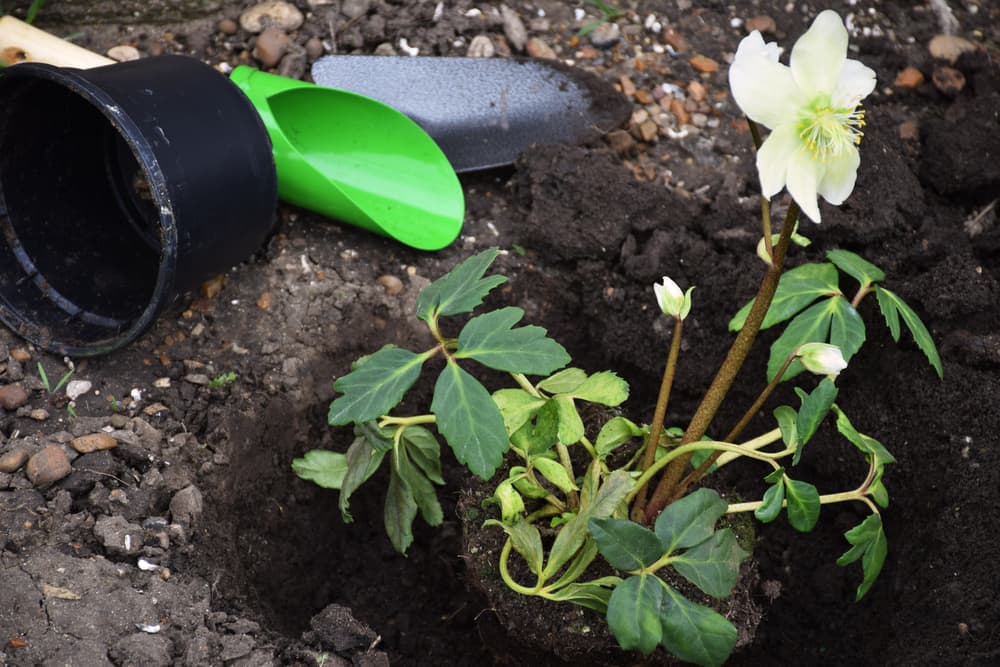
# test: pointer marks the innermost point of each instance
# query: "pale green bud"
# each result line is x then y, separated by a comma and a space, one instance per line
822, 359
671, 299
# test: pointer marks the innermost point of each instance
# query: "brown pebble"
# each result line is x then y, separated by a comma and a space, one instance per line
949, 47
12, 460
264, 301
675, 40
12, 396
620, 141
697, 91
272, 44
677, 109
703, 64
628, 88
587, 53
648, 131
211, 288
948, 80
39, 414
762, 23
391, 284
909, 130
228, 26
86, 444
643, 96
537, 48
314, 48
47, 466
20, 354
909, 77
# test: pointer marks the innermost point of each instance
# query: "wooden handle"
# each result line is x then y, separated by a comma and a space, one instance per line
20, 42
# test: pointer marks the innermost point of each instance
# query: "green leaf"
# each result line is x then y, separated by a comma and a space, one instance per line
460, 290
787, 420
889, 312
524, 485
920, 333
870, 446
375, 386
510, 501
714, 565
847, 329
616, 432
690, 520
491, 340
797, 288
803, 505
570, 424
634, 613
362, 461
812, 325
564, 381
541, 433
815, 407
554, 472
773, 499
399, 512
860, 269
573, 534
879, 493
592, 594
420, 488
469, 420
605, 388
526, 540
425, 451
327, 469
517, 406
581, 561
695, 633
871, 546
625, 544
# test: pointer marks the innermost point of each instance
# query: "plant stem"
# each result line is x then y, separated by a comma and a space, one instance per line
407, 421
717, 391
507, 579
572, 497
828, 499
659, 413
700, 471
865, 290
524, 383
773, 435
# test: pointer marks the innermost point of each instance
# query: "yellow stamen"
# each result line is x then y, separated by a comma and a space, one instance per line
827, 131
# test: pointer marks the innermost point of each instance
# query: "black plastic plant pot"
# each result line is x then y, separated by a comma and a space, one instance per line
121, 188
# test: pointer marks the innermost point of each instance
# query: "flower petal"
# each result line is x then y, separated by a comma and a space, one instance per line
804, 175
841, 173
773, 158
762, 87
856, 82
818, 56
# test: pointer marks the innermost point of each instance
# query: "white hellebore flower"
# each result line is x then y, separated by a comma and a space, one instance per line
671, 299
811, 108
822, 359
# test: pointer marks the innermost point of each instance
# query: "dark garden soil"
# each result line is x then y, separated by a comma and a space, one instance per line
255, 567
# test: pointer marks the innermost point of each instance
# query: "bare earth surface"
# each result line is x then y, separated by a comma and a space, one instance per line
183, 538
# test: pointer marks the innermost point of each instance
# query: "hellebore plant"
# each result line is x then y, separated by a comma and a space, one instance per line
625, 493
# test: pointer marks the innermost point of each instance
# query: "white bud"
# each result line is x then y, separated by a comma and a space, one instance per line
671, 299
822, 359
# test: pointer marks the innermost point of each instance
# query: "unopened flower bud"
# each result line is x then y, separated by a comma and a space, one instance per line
822, 359
671, 299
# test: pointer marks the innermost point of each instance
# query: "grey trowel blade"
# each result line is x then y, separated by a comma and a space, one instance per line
483, 112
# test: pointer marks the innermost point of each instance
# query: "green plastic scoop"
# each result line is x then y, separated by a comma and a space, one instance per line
352, 158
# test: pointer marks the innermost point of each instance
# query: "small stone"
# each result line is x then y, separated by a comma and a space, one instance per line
86, 444
391, 284
118, 535
271, 45
77, 388
314, 48
228, 26
538, 48
264, 301
628, 88
762, 23
162, 383
697, 91
949, 47
20, 355
282, 15
676, 40
909, 130
699, 119
355, 9
909, 77
481, 46
605, 35
620, 141
703, 64
948, 80
12, 461
47, 466
12, 396
678, 110
513, 28
123, 53
197, 378
186, 505
39, 414
648, 130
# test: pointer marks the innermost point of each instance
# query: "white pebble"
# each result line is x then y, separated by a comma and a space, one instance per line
405, 47
77, 388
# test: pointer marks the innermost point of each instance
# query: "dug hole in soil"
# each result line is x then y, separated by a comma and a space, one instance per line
183, 538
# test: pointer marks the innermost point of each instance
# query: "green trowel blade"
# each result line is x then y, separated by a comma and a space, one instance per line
357, 160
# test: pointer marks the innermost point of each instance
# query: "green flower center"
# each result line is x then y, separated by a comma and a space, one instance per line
827, 131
